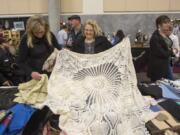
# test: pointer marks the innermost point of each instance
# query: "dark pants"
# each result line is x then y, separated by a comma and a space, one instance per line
170, 72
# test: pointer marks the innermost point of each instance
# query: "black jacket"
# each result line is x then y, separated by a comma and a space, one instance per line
32, 59
6, 60
159, 57
101, 44
9, 70
76, 36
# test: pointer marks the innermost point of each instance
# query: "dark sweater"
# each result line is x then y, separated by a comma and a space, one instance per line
32, 59
101, 44
159, 57
6, 60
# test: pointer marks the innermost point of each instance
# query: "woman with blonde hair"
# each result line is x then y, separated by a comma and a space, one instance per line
36, 46
92, 41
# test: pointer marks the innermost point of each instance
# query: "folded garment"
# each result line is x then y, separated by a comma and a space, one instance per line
162, 124
155, 108
150, 90
16, 120
172, 107
33, 92
169, 93
173, 85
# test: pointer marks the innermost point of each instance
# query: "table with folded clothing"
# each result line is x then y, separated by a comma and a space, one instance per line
19, 110
31, 94
167, 95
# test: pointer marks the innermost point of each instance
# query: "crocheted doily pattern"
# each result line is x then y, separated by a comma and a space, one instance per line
97, 94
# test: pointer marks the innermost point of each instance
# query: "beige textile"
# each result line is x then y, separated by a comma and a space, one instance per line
168, 132
50, 62
97, 94
33, 92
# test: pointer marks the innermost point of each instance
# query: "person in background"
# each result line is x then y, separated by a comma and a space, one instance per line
118, 37
175, 40
62, 36
10, 73
175, 51
160, 50
36, 46
69, 24
176, 29
92, 41
76, 30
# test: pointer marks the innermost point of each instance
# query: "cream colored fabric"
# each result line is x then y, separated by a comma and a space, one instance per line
97, 94
50, 62
33, 92
168, 132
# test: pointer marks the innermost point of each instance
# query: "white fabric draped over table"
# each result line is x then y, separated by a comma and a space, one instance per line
97, 94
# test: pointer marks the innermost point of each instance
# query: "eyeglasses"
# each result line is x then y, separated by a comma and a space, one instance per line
90, 30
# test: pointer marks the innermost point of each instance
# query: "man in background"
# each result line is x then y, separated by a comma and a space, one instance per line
62, 36
76, 30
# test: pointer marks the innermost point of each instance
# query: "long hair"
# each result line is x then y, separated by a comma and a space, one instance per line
33, 25
97, 30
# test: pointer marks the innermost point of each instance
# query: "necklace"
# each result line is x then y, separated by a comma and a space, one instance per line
89, 41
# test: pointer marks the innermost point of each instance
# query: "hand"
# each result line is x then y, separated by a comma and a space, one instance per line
36, 75
7, 83
175, 50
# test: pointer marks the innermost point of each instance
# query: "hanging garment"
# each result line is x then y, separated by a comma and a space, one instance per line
97, 94
150, 90
50, 62
33, 92
169, 93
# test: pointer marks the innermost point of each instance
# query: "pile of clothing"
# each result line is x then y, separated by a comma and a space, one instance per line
167, 95
23, 112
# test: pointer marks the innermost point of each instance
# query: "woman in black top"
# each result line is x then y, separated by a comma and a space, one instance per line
160, 50
92, 41
36, 46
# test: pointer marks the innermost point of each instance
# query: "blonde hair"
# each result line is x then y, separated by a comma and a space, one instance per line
33, 25
97, 30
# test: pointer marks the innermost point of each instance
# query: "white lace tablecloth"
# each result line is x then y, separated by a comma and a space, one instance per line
97, 94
